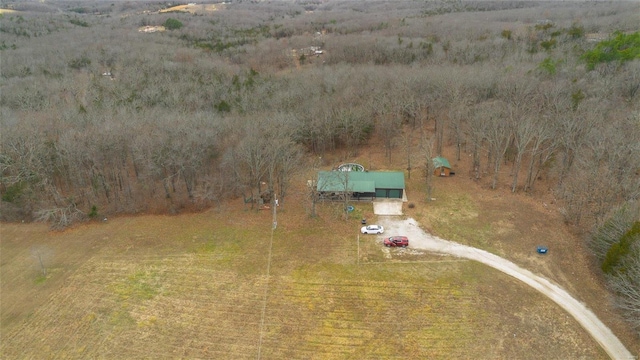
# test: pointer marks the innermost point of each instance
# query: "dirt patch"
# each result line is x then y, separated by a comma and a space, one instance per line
194, 8
151, 29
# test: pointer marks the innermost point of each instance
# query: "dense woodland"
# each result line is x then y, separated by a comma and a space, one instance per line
99, 118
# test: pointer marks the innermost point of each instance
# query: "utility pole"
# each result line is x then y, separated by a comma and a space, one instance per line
275, 205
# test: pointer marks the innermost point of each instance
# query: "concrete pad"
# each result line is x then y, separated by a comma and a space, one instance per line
387, 206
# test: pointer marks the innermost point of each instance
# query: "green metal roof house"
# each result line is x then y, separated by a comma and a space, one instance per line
366, 184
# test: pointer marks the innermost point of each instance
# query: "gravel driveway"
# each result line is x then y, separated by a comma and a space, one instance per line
419, 239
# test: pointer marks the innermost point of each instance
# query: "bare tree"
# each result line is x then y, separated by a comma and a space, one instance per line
252, 153
23, 164
354, 126
601, 173
388, 125
42, 255
60, 217
541, 150
266, 154
429, 168
498, 138
572, 129
407, 141
282, 153
312, 184
521, 111
291, 158
477, 132
459, 114
449, 96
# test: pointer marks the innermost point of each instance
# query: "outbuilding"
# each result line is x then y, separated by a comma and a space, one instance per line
442, 166
365, 185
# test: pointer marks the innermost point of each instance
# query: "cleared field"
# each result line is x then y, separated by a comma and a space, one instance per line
194, 286
193, 8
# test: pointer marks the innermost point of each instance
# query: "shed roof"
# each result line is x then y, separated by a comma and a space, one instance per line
356, 181
441, 162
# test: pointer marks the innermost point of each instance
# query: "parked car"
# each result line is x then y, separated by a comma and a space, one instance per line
372, 229
542, 249
396, 241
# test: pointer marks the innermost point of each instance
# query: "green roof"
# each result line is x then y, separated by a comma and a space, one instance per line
357, 181
441, 162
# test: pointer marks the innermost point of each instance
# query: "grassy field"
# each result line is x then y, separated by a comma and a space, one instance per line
195, 286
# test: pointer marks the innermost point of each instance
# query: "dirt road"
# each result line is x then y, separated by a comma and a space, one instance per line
419, 239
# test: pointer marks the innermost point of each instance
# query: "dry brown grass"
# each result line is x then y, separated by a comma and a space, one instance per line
192, 286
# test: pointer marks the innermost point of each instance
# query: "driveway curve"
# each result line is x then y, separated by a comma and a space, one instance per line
585, 317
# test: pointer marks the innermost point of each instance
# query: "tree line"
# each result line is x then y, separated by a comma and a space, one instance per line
616, 244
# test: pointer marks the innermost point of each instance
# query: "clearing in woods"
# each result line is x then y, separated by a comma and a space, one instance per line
193, 8
194, 285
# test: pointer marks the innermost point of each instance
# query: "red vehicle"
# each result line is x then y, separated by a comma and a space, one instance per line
396, 241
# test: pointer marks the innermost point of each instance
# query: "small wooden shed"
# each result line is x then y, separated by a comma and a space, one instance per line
442, 166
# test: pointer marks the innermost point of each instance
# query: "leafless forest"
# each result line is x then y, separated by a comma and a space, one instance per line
99, 115
103, 112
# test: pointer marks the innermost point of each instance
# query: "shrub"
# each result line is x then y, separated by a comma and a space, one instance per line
617, 253
79, 10
544, 26
617, 245
172, 24
548, 65
576, 99
575, 31
615, 226
79, 22
93, 213
79, 63
622, 48
223, 106
13, 192
548, 44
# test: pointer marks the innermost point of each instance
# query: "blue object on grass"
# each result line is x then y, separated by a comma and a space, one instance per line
350, 208
542, 249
